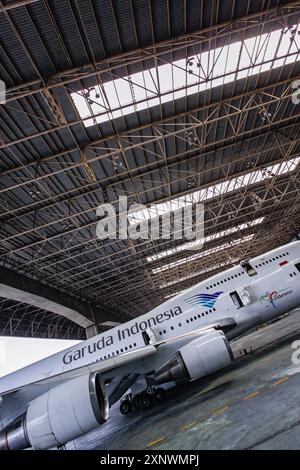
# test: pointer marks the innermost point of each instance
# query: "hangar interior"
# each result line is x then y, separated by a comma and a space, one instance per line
169, 103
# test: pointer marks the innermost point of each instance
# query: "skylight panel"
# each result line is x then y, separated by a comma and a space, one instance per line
198, 273
202, 254
215, 190
193, 245
171, 81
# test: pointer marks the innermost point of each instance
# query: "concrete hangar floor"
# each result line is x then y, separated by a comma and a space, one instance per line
253, 405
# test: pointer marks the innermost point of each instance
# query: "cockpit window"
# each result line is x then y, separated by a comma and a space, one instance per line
248, 268
297, 265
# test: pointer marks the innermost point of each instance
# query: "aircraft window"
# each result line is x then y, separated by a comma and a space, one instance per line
199, 316
188, 321
202, 314
130, 346
160, 333
191, 319
298, 266
210, 311
134, 344
248, 268
206, 313
179, 324
126, 349
236, 299
172, 327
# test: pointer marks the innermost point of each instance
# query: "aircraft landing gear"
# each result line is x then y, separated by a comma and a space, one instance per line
126, 406
160, 394
142, 401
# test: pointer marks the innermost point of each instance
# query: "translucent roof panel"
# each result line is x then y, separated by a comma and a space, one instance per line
202, 195
170, 81
200, 243
198, 273
202, 254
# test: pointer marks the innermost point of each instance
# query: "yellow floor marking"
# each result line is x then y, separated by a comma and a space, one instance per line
188, 426
152, 443
280, 381
220, 410
251, 395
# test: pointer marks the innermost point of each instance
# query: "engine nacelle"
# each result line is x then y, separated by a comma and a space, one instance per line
66, 412
199, 358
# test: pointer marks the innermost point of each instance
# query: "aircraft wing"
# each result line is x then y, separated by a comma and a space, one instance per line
226, 324
115, 362
19, 379
31, 375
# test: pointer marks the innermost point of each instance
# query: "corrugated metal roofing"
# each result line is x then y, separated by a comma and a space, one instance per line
48, 213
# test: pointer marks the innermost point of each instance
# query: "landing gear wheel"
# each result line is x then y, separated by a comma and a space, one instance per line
136, 401
160, 395
145, 402
125, 407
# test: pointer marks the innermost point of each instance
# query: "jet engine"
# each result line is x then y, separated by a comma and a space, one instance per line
64, 413
198, 358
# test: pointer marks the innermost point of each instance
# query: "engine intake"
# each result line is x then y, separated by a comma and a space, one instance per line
66, 412
198, 358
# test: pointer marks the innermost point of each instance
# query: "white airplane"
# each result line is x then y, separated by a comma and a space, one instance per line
68, 394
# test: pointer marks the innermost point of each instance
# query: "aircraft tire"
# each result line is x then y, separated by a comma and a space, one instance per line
136, 401
145, 402
160, 395
125, 407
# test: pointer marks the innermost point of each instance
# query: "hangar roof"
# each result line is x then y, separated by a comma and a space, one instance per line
169, 103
